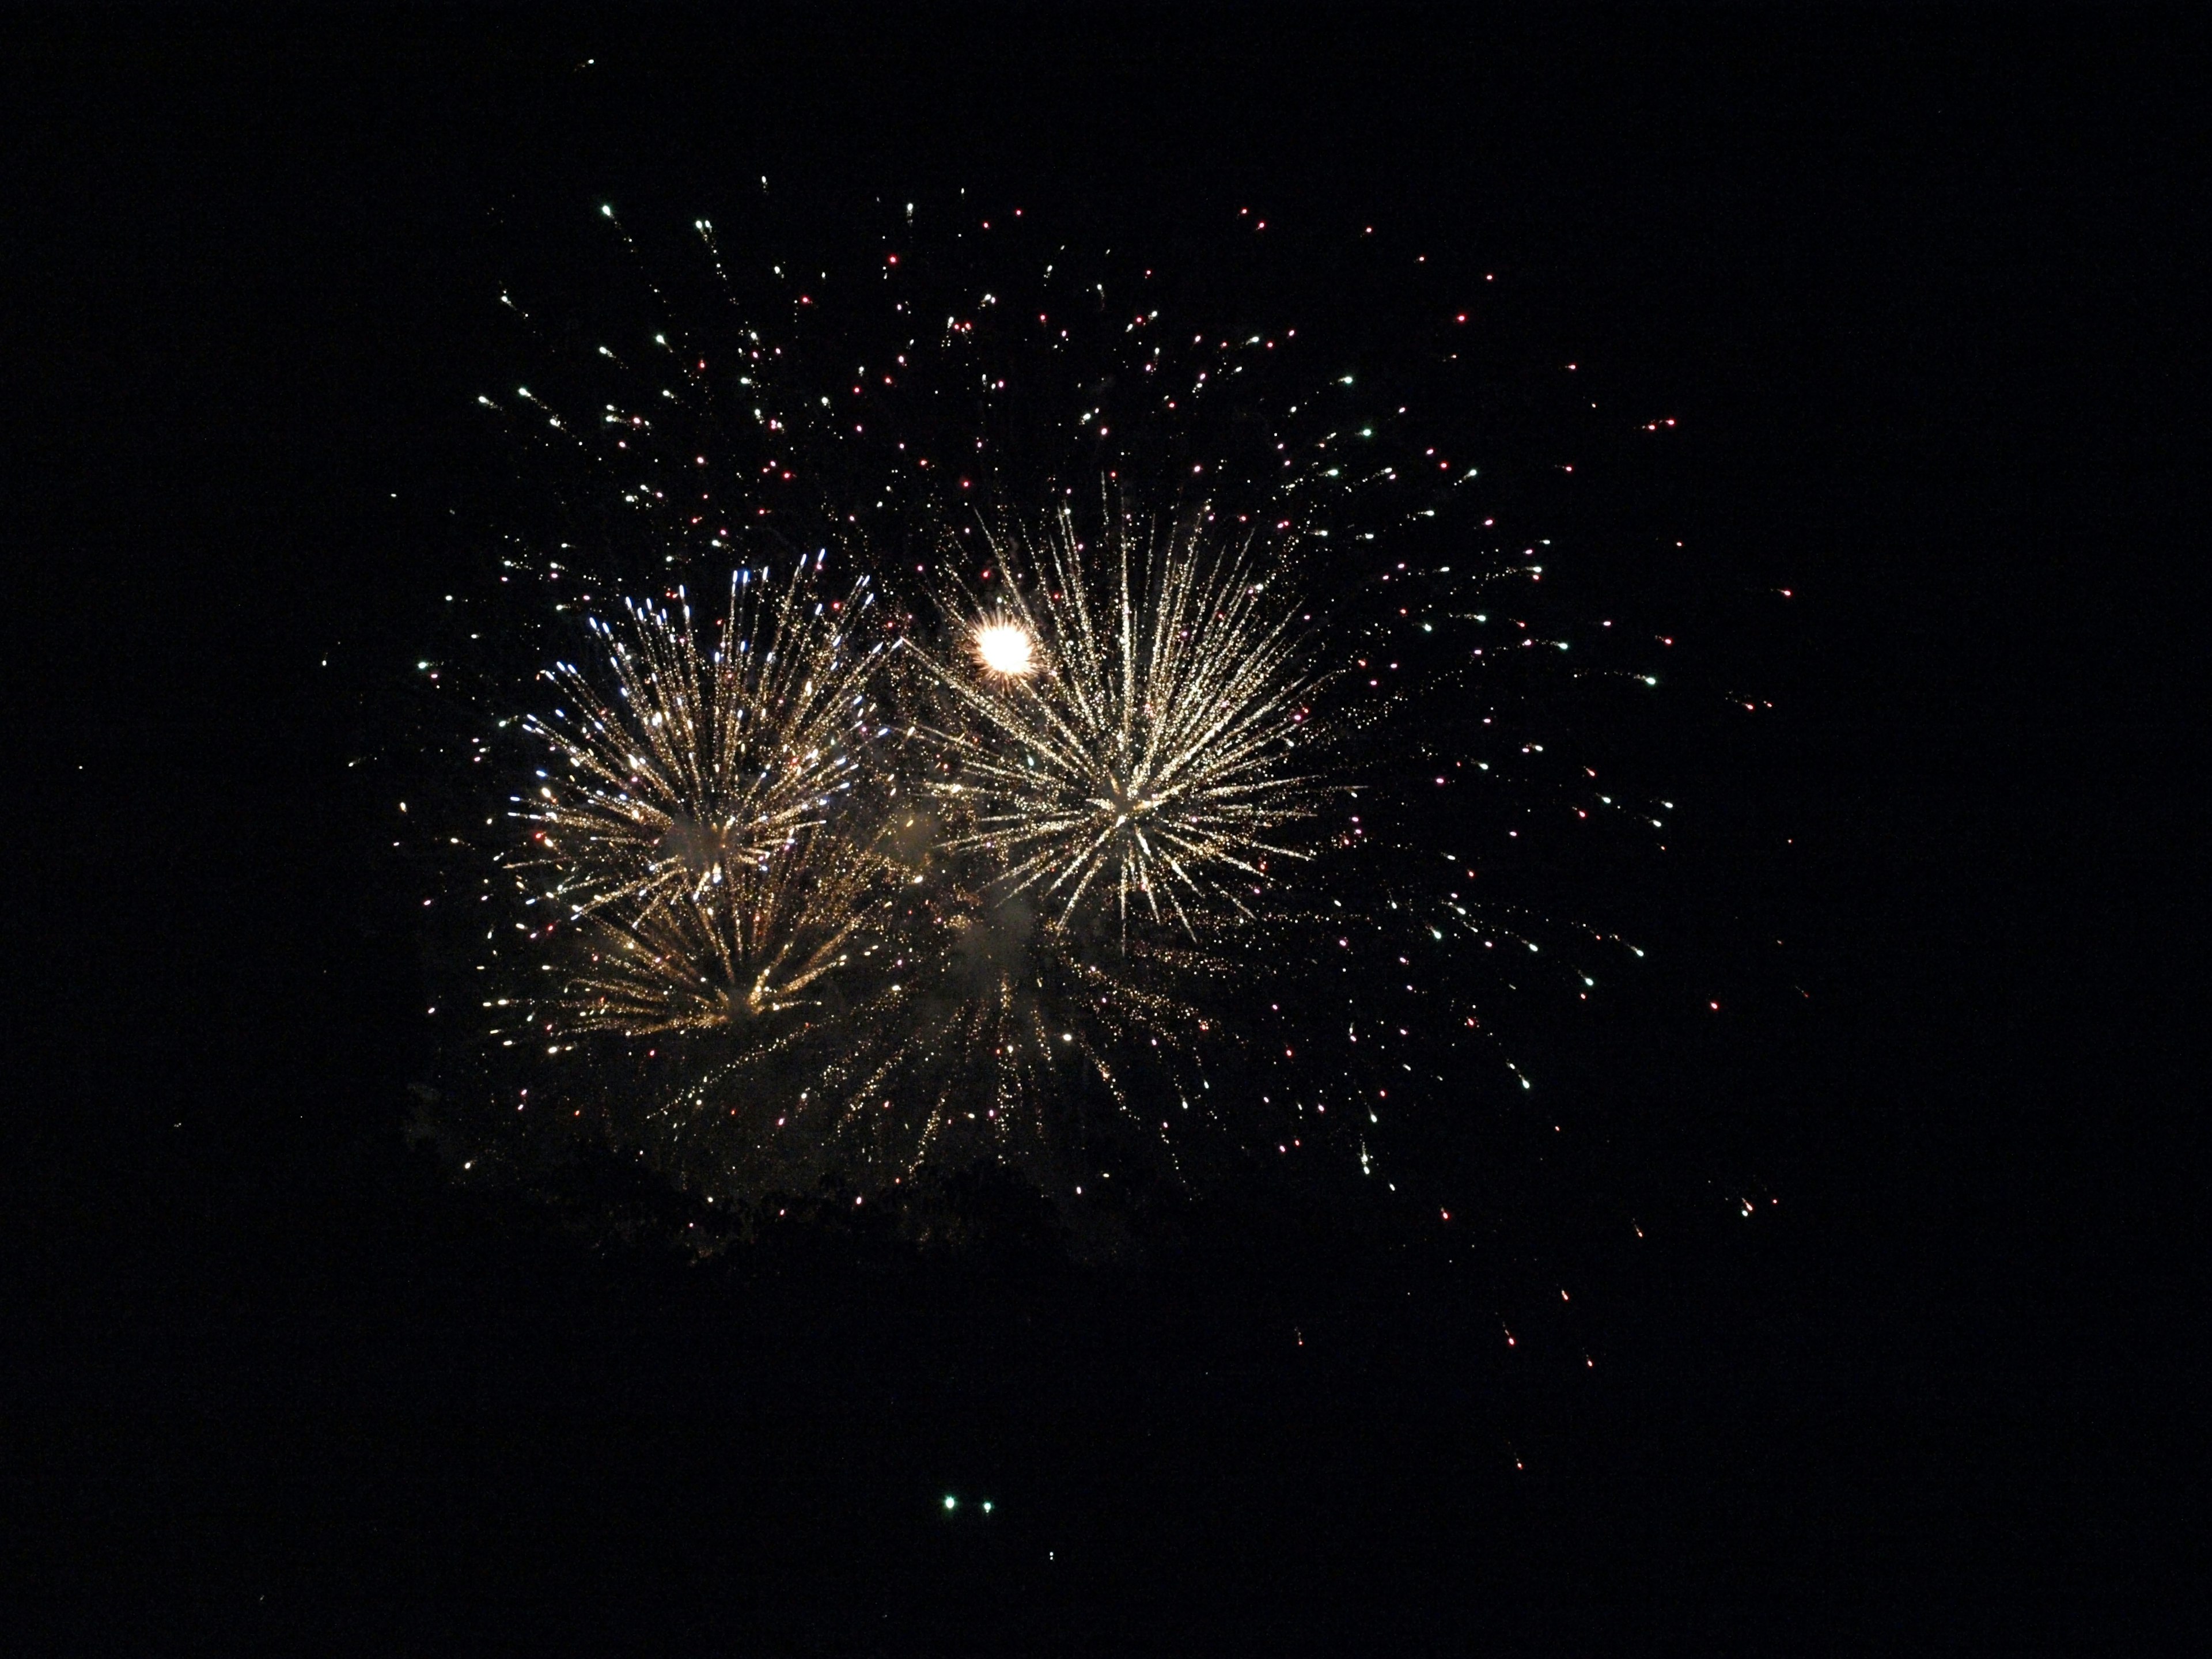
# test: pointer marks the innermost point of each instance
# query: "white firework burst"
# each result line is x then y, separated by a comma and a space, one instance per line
1133, 738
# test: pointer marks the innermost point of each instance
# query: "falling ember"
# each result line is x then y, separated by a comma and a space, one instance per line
1005, 648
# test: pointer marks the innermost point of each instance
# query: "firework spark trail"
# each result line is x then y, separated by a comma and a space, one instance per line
1136, 727
998, 1029
752, 943
962, 1031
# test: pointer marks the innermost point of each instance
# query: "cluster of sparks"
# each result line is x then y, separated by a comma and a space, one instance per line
994, 853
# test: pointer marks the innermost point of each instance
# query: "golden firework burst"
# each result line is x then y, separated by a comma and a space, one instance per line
1134, 733
679, 836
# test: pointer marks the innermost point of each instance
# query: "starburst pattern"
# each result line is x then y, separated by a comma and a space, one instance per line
1143, 754
680, 837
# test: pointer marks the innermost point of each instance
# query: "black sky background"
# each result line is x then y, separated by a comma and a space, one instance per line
1914, 281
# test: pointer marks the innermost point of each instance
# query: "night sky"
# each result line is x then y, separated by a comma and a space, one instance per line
1883, 1204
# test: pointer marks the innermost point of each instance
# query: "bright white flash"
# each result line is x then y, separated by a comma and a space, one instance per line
1005, 647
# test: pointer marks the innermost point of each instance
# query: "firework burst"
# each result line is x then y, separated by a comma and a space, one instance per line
1046, 840
1132, 739
680, 840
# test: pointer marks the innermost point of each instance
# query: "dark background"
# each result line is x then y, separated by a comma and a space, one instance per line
1914, 281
